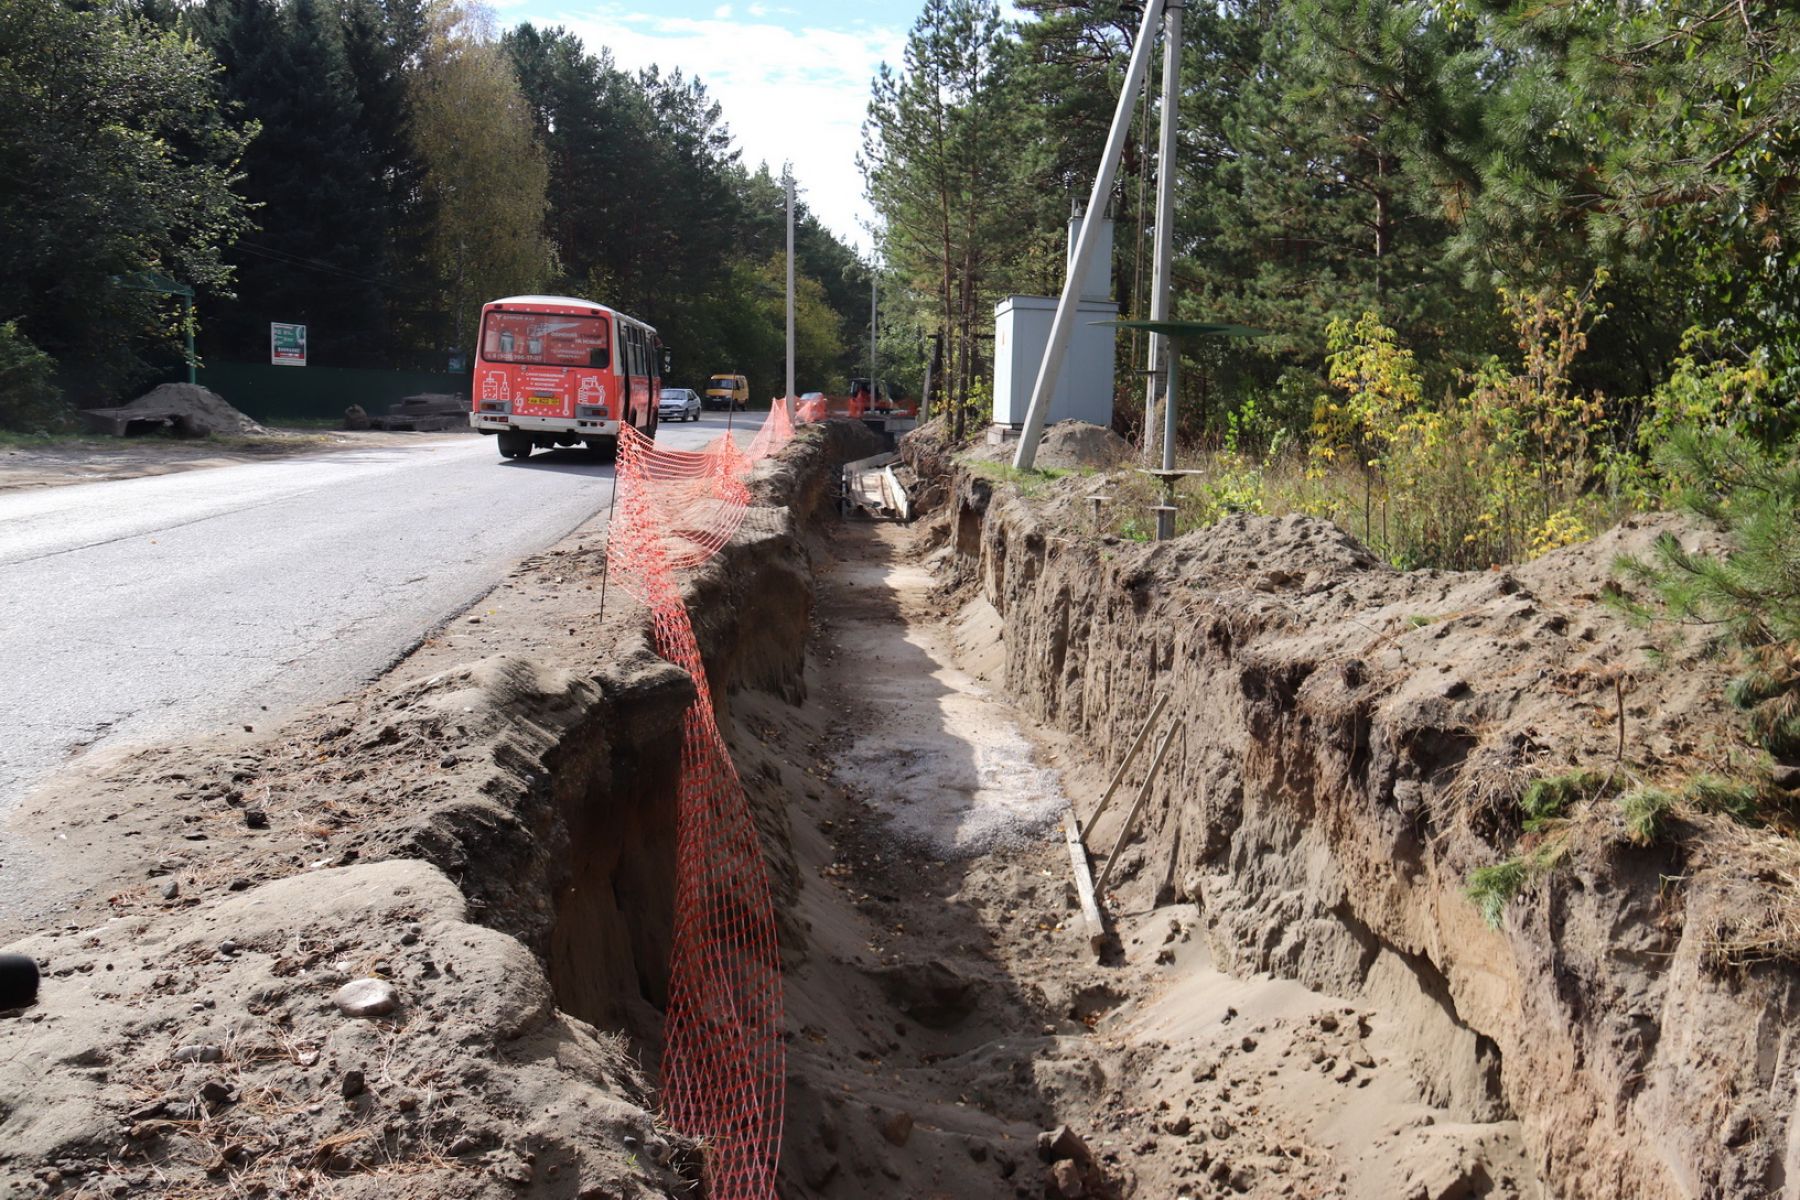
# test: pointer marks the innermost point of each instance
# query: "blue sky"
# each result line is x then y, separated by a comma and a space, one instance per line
793, 75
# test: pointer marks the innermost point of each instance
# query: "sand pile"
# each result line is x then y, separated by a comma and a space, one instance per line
1079, 444
191, 410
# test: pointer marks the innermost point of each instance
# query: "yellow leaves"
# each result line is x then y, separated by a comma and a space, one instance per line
1495, 474
1561, 528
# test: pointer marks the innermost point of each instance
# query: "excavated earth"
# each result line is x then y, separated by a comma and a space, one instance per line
1296, 998
1353, 743
489, 830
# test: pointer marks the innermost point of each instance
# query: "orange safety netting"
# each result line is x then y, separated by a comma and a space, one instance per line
724, 1061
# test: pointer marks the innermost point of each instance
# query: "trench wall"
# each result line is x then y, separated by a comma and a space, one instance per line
569, 844
1353, 739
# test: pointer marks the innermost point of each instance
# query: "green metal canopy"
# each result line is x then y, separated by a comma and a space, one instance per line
1181, 329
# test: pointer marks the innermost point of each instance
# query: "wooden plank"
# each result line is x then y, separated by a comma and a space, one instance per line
1125, 763
1084, 882
1137, 809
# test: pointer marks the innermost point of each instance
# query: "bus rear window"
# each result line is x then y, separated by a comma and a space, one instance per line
545, 339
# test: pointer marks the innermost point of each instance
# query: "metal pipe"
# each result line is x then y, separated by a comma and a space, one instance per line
787, 178
1168, 454
1164, 254
1063, 326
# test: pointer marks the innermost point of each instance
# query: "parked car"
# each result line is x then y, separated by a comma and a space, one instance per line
727, 391
679, 404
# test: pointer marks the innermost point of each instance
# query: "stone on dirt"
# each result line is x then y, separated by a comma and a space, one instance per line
367, 998
897, 1128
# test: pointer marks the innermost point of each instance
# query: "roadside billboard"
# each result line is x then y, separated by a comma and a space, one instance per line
287, 344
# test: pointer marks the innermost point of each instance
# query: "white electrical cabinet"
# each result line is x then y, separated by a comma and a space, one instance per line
1084, 388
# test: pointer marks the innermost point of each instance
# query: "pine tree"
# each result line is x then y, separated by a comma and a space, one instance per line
1326, 182
936, 148
384, 41
316, 256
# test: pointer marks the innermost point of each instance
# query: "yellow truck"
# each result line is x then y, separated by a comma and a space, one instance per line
727, 391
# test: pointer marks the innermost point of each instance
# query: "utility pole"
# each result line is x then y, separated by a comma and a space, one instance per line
874, 285
934, 367
787, 179
1062, 327
1165, 242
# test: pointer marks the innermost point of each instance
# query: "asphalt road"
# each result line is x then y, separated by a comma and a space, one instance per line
142, 610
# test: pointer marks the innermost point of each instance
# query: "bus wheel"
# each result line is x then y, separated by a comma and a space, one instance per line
514, 444
603, 449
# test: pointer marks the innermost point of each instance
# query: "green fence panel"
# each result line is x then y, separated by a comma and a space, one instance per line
274, 394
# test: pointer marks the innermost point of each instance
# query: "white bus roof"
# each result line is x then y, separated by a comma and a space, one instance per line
560, 301
566, 302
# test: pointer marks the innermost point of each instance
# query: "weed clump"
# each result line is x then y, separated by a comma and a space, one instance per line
1550, 799
1646, 809
1493, 888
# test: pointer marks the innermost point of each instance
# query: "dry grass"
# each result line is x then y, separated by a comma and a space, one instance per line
1754, 916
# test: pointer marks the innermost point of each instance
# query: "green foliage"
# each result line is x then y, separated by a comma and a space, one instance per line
313, 177
1745, 801
485, 177
652, 154
1494, 887
1747, 598
116, 161
1550, 799
1031, 482
939, 159
29, 399
1646, 809
1504, 471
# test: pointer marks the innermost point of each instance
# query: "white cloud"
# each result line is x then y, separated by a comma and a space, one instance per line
789, 93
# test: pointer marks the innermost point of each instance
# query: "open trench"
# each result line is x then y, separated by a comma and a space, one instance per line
945, 1017
1299, 1001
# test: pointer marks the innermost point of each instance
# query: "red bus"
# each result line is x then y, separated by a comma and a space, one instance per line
557, 371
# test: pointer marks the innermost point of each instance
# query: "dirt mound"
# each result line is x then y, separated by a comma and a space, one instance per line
189, 409
1355, 744
484, 839
1079, 444
226, 1041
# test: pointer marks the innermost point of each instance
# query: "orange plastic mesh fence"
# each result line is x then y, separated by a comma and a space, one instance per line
724, 1061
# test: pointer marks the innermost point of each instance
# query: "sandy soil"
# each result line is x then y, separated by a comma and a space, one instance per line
92, 460
948, 1016
487, 831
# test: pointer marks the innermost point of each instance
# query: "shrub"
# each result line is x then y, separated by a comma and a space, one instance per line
29, 399
1646, 809
1493, 888
1748, 599
1551, 798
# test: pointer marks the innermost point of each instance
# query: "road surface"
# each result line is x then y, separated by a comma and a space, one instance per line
142, 610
